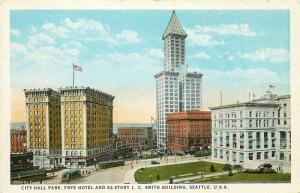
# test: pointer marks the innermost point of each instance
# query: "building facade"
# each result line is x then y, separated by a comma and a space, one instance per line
137, 138
86, 122
253, 132
177, 89
43, 125
18, 141
188, 129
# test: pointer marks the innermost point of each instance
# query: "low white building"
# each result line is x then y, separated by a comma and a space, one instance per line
252, 132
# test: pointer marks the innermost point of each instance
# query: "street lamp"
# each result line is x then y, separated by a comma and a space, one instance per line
95, 162
140, 172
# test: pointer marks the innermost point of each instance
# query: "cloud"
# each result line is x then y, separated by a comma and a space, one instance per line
202, 39
241, 76
227, 29
155, 52
128, 36
33, 29
150, 60
40, 39
42, 55
91, 30
204, 35
202, 55
230, 58
17, 51
274, 55
58, 30
15, 32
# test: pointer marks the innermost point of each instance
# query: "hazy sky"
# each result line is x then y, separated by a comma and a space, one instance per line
120, 51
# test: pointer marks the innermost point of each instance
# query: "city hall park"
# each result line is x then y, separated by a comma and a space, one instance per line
246, 178
176, 171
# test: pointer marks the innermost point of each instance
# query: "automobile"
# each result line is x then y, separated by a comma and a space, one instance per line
154, 162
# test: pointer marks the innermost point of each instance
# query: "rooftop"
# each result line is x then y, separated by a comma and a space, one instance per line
174, 27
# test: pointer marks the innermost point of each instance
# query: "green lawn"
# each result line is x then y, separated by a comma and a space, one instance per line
165, 172
248, 178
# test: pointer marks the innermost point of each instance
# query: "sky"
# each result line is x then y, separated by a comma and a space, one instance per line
120, 51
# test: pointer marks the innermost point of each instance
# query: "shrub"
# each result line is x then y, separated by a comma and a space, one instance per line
226, 167
238, 166
265, 165
212, 168
230, 172
157, 177
259, 171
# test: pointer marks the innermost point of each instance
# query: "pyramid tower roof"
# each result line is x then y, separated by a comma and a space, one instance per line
174, 27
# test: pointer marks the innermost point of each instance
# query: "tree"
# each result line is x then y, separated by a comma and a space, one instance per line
212, 168
230, 172
157, 177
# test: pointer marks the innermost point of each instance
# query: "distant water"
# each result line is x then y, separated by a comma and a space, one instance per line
22, 125
117, 125
18, 125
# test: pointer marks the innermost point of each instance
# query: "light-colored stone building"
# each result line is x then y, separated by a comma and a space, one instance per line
252, 132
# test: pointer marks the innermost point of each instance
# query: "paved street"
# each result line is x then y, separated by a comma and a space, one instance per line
123, 174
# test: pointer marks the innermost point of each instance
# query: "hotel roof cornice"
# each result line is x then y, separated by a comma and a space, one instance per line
86, 90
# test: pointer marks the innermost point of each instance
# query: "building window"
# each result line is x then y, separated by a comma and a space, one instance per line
250, 133
241, 144
273, 153
241, 157
281, 157
250, 144
258, 155
266, 155
250, 156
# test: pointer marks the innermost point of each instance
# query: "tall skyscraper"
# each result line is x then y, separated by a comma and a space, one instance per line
86, 125
177, 89
43, 126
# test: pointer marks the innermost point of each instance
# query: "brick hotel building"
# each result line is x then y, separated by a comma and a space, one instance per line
18, 141
188, 129
137, 138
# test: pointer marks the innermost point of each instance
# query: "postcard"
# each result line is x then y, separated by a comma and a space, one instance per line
121, 96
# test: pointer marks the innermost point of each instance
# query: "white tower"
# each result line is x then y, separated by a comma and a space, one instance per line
177, 89
174, 45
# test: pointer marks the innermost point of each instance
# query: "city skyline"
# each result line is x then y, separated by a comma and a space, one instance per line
230, 51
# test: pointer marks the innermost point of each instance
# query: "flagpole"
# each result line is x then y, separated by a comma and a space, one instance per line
73, 74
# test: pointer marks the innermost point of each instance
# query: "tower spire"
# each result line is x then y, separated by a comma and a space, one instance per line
174, 27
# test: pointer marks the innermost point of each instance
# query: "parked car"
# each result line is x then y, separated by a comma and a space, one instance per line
154, 162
